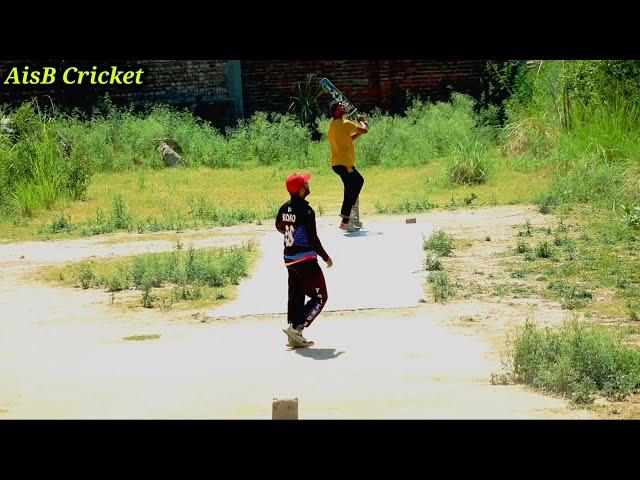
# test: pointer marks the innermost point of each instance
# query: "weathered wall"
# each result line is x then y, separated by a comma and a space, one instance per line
269, 84
202, 85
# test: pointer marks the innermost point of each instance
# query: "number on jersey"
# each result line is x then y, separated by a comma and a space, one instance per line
288, 235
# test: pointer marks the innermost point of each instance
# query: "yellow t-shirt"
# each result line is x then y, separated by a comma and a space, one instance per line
342, 150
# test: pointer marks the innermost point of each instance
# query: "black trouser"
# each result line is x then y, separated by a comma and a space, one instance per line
353, 183
305, 278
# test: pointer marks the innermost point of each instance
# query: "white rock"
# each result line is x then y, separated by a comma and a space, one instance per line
170, 156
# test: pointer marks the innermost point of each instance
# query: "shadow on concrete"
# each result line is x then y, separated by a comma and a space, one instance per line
319, 353
362, 233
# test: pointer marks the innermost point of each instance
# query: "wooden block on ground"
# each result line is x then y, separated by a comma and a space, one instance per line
284, 409
410, 220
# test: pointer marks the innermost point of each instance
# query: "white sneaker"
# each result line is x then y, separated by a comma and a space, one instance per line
354, 221
353, 226
295, 337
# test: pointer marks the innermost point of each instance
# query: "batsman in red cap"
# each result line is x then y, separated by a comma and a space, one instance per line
296, 220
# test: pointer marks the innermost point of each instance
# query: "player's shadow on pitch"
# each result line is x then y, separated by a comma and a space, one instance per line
362, 233
319, 353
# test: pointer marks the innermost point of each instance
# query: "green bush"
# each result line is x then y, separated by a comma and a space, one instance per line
54, 155
631, 215
117, 282
468, 163
522, 247
440, 242
441, 287
544, 250
60, 224
36, 166
187, 292
426, 131
576, 360
86, 278
202, 267
189, 271
265, 140
120, 216
583, 116
432, 263
571, 295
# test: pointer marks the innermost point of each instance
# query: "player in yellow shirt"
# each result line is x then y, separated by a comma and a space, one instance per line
342, 133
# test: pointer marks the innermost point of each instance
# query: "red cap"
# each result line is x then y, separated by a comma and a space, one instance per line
296, 181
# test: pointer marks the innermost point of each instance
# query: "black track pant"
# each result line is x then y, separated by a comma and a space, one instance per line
305, 278
353, 183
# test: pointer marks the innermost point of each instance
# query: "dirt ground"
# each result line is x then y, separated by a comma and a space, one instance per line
71, 353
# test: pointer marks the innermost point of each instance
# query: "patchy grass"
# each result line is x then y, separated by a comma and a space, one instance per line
469, 163
522, 246
169, 199
513, 290
441, 286
571, 295
519, 273
139, 338
405, 205
543, 250
527, 232
594, 251
191, 277
462, 243
440, 242
432, 263
577, 360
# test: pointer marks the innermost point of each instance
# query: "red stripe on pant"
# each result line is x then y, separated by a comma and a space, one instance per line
305, 280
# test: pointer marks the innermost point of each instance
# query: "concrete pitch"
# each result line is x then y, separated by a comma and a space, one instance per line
377, 267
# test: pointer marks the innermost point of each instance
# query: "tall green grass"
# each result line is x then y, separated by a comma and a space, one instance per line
119, 139
192, 273
576, 359
584, 119
201, 213
426, 131
439, 242
36, 168
595, 157
53, 155
586, 138
469, 163
441, 287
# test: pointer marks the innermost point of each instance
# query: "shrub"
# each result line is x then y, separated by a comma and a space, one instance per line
441, 287
576, 360
440, 242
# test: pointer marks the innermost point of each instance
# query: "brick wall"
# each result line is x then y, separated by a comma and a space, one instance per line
197, 84
201, 85
268, 84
